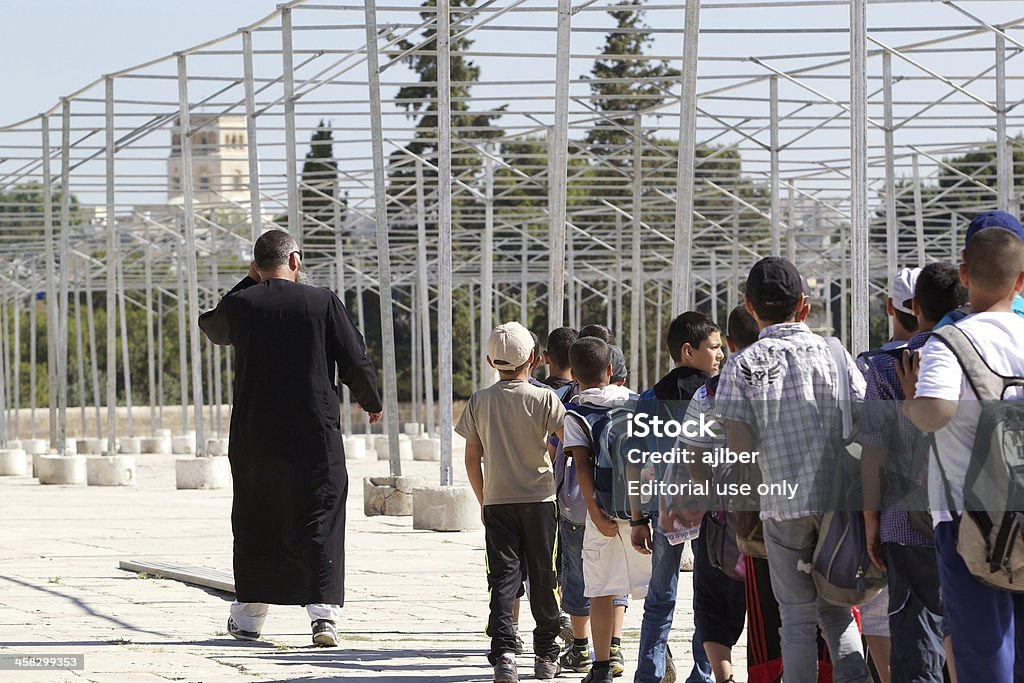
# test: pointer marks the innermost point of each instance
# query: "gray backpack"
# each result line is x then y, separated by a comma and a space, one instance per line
990, 538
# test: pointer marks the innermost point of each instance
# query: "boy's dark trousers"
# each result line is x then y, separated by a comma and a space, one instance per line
518, 533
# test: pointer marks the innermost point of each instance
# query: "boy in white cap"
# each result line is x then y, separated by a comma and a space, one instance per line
900, 307
506, 427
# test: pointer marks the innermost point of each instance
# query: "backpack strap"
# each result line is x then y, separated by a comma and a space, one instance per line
987, 384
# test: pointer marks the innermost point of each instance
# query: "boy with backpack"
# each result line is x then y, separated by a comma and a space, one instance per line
556, 357
892, 466
506, 427
781, 398
611, 567
695, 344
965, 383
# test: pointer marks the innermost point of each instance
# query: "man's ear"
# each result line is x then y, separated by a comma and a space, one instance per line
547, 358
609, 372
1019, 285
803, 308
293, 261
964, 280
890, 310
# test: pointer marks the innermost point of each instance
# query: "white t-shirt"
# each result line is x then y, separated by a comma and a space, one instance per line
609, 395
1000, 339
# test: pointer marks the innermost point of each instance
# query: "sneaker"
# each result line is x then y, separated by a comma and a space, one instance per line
565, 623
546, 668
239, 634
603, 675
670, 668
618, 661
520, 645
576, 659
505, 669
324, 633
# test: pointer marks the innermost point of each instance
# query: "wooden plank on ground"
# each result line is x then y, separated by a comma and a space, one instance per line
197, 576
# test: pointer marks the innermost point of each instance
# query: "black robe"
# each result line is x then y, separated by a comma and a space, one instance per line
286, 453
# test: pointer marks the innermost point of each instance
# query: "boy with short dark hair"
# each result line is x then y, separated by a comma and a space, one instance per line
611, 567
506, 427
784, 389
982, 619
695, 344
556, 357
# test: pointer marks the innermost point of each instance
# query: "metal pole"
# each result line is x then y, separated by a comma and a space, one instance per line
291, 167
859, 213
160, 359
255, 210
657, 324
215, 348
80, 358
125, 356
339, 274
33, 304
94, 366
424, 297
918, 214
63, 273
444, 238
182, 342
558, 181
776, 199
474, 369
381, 215
14, 399
487, 373
636, 265
416, 366
524, 275
190, 255
682, 286
891, 246
619, 323
4, 366
1004, 155
791, 232
112, 259
150, 345
52, 312
644, 365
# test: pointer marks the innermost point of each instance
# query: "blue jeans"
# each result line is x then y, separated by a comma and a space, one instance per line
570, 540
790, 544
659, 608
986, 624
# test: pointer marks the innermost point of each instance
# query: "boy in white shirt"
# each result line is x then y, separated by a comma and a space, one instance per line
981, 618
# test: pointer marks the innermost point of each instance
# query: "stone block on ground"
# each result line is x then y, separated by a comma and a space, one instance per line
70, 446
391, 496
57, 469
355, 448
426, 448
129, 444
163, 432
412, 428
34, 446
183, 445
445, 508
90, 445
13, 462
14, 443
110, 470
202, 473
217, 446
157, 445
383, 448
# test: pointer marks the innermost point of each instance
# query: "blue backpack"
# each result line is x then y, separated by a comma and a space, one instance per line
607, 431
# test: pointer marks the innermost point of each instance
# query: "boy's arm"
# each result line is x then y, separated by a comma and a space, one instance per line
475, 470
583, 459
929, 413
872, 461
640, 532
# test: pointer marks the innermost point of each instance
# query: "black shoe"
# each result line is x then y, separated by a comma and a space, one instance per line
239, 634
618, 661
324, 633
599, 675
505, 669
546, 668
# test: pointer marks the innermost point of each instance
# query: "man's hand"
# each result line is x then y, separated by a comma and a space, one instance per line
607, 526
253, 273
872, 531
640, 537
907, 368
375, 417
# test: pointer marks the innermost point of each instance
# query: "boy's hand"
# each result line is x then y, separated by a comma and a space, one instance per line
607, 526
872, 531
640, 537
907, 368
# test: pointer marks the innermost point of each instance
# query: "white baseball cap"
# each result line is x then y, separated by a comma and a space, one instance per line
509, 346
902, 289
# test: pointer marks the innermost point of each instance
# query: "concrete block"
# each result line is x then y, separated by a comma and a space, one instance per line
159, 445
129, 444
70, 446
202, 473
36, 457
56, 469
426, 448
90, 445
13, 462
183, 445
110, 470
382, 448
355, 448
391, 496
14, 443
217, 446
34, 446
445, 508
163, 432
412, 428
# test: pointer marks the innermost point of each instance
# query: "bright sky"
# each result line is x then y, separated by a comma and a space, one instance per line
50, 48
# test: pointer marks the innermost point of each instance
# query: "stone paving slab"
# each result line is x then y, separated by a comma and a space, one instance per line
415, 611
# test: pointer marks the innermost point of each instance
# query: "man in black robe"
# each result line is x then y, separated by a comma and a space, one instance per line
286, 453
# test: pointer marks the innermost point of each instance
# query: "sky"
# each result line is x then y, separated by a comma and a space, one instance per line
50, 48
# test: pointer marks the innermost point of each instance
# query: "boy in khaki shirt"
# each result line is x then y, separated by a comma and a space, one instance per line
506, 427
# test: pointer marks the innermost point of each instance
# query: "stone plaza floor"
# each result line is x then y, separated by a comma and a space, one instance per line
415, 611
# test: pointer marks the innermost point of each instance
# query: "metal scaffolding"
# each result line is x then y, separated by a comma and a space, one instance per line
855, 137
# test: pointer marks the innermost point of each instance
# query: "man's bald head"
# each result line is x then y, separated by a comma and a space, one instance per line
272, 249
995, 260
